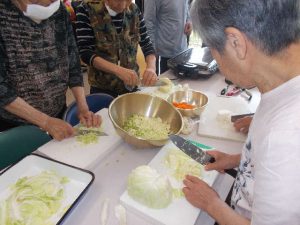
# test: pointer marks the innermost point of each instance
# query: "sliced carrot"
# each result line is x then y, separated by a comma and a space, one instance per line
183, 105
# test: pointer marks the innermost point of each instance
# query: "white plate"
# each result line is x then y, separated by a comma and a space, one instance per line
180, 211
78, 184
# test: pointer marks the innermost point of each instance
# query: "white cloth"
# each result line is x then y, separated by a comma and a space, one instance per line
267, 188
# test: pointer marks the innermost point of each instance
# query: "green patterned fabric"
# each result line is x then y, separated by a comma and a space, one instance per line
18, 142
116, 48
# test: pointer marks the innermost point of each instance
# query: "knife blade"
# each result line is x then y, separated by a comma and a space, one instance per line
236, 117
196, 153
87, 131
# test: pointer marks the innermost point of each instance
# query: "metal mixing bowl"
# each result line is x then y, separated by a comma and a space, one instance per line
196, 98
147, 105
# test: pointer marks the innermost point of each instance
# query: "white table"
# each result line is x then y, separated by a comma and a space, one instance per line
112, 171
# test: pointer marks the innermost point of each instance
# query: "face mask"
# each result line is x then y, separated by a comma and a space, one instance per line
38, 13
110, 11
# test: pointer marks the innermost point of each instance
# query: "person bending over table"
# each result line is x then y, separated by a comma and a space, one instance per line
256, 43
38, 62
108, 34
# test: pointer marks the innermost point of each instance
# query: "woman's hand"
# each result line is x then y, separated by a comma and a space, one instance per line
88, 118
243, 124
188, 28
129, 77
149, 77
222, 161
198, 193
58, 128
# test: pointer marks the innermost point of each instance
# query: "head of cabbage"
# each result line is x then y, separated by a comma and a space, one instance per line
146, 186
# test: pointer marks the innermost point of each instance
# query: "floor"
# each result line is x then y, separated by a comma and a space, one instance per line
140, 61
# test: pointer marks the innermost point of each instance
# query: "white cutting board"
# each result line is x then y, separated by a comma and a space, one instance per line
77, 154
209, 126
180, 211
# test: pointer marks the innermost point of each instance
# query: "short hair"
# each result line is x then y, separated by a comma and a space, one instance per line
271, 25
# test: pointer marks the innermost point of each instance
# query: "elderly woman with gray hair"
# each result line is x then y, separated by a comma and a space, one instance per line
256, 43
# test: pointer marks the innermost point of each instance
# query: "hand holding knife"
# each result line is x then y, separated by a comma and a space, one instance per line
196, 153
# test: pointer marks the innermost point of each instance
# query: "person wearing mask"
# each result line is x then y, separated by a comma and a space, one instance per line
38, 62
108, 34
169, 24
256, 43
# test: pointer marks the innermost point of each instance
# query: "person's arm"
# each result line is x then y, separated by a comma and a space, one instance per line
202, 196
85, 116
57, 128
10, 102
149, 76
188, 24
150, 15
86, 44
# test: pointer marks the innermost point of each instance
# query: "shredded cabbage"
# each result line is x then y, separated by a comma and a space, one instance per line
150, 128
147, 186
168, 85
89, 137
181, 164
33, 200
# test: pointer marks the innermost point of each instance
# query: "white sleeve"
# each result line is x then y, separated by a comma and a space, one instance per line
276, 197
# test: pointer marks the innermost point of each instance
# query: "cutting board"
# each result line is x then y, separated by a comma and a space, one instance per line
84, 156
180, 211
209, 126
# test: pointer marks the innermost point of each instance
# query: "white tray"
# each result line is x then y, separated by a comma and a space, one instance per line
79, 180
180, 211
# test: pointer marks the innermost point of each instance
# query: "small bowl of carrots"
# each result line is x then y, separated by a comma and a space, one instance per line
190, 103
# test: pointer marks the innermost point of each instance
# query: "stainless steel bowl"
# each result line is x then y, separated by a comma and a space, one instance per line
197, 98
147, 105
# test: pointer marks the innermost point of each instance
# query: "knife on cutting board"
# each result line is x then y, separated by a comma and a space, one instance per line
88, 131
196, 153
236, 117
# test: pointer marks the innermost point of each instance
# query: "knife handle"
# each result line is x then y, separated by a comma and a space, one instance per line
231, 172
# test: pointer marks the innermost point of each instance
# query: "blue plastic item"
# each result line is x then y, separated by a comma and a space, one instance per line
95, 102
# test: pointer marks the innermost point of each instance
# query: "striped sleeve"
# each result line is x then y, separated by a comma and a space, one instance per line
85, 35
145, 42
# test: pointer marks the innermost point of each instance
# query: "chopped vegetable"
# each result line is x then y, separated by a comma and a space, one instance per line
181, 164
150, 128
104, 212
34, 200
88, 138
168, 85
148, 187
183, 105
120, 213
177, 193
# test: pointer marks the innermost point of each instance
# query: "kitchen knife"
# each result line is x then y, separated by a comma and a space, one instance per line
236, 117
196, 153
87, 131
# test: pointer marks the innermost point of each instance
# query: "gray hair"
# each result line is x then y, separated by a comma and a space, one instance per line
271, 25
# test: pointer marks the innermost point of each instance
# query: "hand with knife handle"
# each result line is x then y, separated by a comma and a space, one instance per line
198, 192
202, 196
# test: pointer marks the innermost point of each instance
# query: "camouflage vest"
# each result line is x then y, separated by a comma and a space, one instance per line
116, 48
